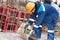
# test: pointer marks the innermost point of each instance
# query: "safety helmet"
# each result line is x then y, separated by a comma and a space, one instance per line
30, 6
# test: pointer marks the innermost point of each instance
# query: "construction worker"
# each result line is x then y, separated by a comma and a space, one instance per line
42, 14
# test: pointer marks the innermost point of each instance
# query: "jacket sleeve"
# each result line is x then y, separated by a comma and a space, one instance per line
32, 19
40, 16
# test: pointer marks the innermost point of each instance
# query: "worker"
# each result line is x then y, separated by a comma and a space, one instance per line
42, 14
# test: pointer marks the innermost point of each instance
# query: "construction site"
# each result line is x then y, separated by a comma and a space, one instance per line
14, 17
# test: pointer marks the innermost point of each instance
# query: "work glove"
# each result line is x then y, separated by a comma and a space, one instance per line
25, 28
28, 29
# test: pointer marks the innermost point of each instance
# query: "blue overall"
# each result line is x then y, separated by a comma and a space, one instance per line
46, 15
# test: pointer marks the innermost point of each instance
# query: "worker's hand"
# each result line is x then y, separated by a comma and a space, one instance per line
29, 27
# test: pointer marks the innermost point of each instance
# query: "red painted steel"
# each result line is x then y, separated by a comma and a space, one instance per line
12, 17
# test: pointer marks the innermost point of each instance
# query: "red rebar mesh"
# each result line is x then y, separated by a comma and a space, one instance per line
9, 18
1, 9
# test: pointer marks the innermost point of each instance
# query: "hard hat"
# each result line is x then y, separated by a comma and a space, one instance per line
30, 6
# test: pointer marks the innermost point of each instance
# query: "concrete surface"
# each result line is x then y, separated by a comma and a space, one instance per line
15, 36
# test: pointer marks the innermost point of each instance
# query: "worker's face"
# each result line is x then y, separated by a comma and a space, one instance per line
32, 11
